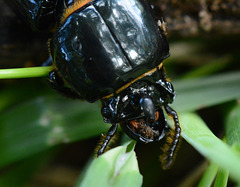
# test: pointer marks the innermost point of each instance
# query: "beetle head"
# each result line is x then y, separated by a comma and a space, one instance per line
139, 109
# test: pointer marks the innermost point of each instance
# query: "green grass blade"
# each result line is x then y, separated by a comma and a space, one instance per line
203, 92
30, 72
222, 178
201, 138
209, 175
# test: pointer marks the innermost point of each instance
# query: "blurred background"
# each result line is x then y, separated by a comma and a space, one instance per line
47, 140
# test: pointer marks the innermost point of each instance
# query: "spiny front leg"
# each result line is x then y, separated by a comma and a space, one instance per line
172, 139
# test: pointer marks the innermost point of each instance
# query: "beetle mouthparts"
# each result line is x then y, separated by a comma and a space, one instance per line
146, 128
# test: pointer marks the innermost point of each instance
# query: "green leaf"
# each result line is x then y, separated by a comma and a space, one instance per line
115, 168
42, 123
232, 126
203, 92
201, 138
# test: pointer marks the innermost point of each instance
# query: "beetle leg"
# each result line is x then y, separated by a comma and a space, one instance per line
57, 83
172, 140
111, 132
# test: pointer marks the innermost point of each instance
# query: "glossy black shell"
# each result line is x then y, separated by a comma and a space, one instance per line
41, 15
105, 44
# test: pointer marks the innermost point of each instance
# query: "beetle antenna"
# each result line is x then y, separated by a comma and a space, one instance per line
111, 132
172, 141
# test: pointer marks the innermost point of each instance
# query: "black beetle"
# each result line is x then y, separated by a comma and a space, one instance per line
112, 51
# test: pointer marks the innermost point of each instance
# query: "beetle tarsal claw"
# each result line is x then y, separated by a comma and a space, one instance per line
148, 108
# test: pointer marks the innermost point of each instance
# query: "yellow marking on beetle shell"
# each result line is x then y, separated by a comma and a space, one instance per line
134, 80
76, 5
